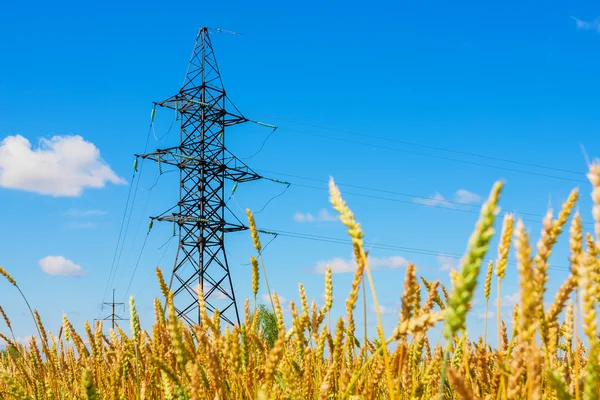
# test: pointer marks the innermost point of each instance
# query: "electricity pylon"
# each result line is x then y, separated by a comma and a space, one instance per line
205, 166
113, 317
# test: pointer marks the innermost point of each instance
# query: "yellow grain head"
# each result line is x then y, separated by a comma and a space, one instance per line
201, 306
568, 326
487, 288
419, 324
134, 320
161, 282
504, 345
175, 332
7, 276
38, 321
409, 294
274, 357
576, 243
459, 384
278, 312
416, 305
314, 319
590, 327
328, 288
6, 320
346, 215
504, 244
592, 250
247, 314
255, 275
253, 230
560, 299
66, 327
445, 293
544, 246
594, 177
304, 318
159, 313
432, 295
529, 301
564, 213
337, 343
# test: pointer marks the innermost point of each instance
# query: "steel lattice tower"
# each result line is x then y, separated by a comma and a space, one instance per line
205, 166
113, 317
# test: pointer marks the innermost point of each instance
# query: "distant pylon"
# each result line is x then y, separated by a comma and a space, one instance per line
205, 165
113, 316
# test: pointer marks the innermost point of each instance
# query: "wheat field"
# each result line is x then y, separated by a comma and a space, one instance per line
546, 355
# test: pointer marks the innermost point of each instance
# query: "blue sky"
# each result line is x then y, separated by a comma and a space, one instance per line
512, 81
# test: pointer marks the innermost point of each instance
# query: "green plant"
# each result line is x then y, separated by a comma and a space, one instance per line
267, 324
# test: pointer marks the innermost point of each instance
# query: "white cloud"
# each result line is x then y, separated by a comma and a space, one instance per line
508, 300
466, 197
215, 295
383, 310
84, 213
392, 262
483, 315
218, 295
588, 26
322, 216
436, 200
58, 265
303, 217
60, 166
22, 340
282, 300
340, 265
460, 196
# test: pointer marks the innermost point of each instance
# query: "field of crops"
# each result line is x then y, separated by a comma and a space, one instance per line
547, 355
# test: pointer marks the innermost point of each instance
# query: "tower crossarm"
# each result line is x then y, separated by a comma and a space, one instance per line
187, 104
181, 220
232, 168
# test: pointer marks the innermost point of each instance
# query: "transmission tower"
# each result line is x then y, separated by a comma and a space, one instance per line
113, 316
205, 166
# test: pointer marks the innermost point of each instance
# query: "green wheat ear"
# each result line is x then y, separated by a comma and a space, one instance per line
464, 286
88, 386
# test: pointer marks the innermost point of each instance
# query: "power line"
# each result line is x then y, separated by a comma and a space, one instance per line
159, 174
119, 239
429, 146
262, 146
166, 245
324, 238
129, 220
433, 156
413, 250
137, 263
401, 194
137, 231
139, 176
